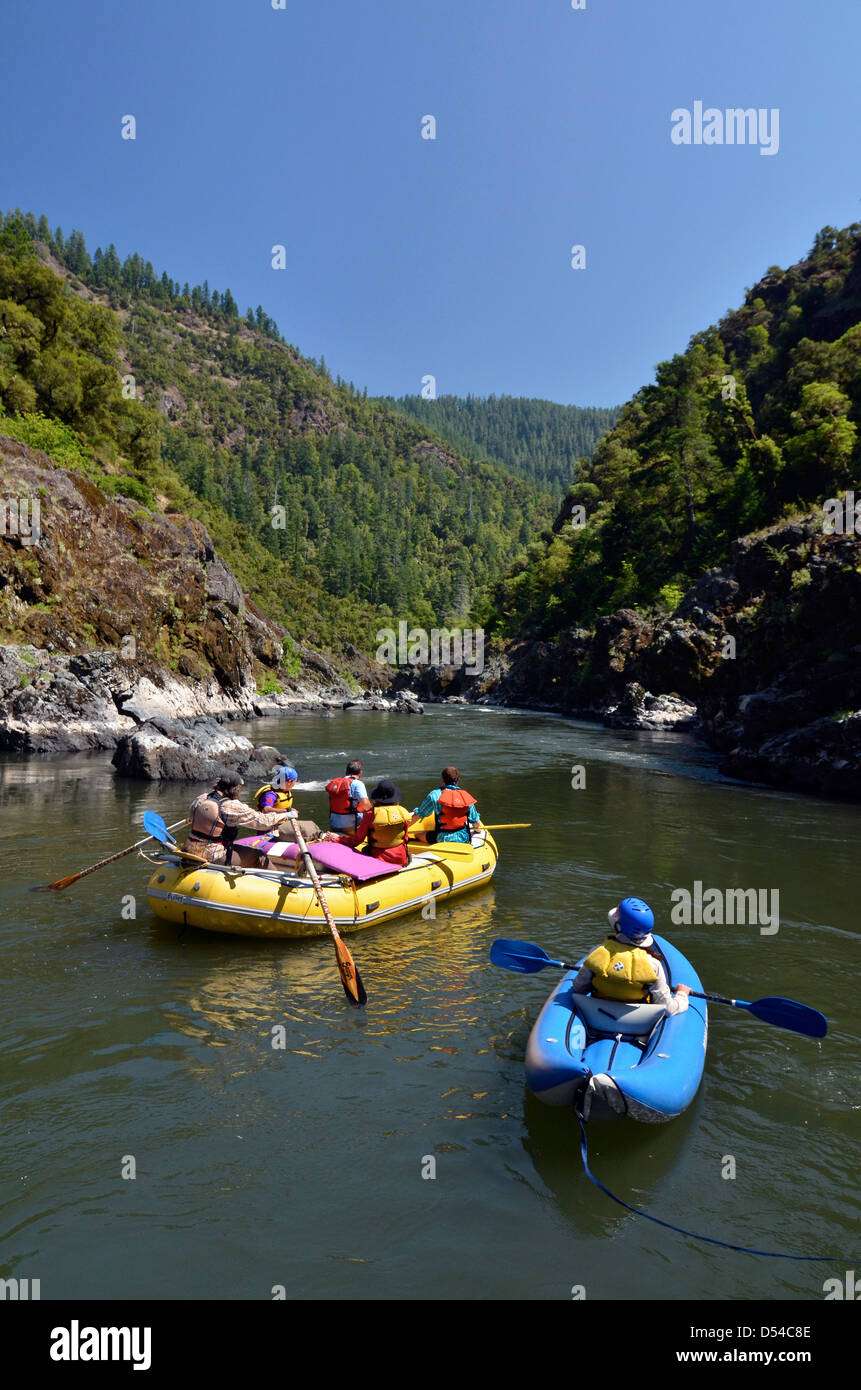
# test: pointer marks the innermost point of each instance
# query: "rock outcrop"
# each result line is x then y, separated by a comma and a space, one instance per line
191, 751
115, 615
762, 657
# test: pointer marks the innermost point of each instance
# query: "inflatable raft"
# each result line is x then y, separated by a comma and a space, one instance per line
613, 1059
279, 902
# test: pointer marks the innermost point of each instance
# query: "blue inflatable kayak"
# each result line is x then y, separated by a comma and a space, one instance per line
620, 1059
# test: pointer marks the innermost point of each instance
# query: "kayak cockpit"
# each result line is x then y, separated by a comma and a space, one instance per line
614, 1016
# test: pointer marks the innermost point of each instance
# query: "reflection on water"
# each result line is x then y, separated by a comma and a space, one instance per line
123, 1034
421, 975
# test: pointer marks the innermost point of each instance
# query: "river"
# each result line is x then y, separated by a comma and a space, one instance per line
130, 1044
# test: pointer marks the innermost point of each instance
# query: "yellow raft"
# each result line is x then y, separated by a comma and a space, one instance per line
275, 903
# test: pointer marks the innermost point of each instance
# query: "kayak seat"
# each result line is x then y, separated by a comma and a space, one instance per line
614, 1016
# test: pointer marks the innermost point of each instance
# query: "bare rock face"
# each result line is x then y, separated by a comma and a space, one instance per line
47, 705
639, 710
762, 657
191, 751
118, 615
823, 758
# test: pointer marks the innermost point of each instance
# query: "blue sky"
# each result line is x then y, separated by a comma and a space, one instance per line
451, 257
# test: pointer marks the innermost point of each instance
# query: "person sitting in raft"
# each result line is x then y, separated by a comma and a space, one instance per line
384, 827
348, 798
217, 818
627, 967
454, 810
277, 795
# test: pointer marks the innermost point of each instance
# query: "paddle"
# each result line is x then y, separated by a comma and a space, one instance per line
460, 846
350, 977
73, 878
158, 831
525, 958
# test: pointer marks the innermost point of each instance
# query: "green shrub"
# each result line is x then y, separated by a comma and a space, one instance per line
670, 596
51, 436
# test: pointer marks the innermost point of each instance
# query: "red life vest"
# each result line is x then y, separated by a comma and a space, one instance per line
453, 808
340, 800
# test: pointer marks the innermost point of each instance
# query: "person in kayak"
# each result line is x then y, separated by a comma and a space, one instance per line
384, 826
454, 810
217, 818
348, 799
277, 795
627, 967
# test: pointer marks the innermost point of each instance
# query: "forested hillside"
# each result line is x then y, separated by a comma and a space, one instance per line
535, 439
334, 511
756, 421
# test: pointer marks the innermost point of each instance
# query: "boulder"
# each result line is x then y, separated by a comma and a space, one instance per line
406, 704
639, 710
191, 751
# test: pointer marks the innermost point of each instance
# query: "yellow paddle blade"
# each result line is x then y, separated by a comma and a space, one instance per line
515, 825
350, 978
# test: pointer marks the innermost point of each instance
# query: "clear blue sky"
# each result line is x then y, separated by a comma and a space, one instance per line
452, 257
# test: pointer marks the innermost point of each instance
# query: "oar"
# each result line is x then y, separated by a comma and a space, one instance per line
460, 846
73, 878
158, 831
783, 1013
350, 977
525, 958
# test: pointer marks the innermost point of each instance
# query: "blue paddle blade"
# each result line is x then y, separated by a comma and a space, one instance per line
155, 826
520, 956
788, 1013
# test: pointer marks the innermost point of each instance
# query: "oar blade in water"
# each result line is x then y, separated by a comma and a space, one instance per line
788, 1013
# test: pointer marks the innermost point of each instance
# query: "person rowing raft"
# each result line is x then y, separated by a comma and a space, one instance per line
454, 810
216, 818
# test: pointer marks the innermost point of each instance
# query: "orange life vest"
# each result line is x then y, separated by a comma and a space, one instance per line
453, 808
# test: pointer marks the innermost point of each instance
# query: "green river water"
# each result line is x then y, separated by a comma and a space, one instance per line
303, 1167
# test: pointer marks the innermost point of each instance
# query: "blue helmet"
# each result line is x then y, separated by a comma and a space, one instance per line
634, 918
282, 776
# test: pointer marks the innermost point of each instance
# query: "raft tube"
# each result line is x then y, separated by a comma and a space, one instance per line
613, 1059
279, 903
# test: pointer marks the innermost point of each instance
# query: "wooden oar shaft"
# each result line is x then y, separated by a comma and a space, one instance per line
353, 987
314, 877
111, 859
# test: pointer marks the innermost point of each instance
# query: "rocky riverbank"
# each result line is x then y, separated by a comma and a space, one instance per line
117, 617
161, 726
761, 658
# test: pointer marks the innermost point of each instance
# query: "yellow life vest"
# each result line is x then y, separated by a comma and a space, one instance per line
621, 972
389, 827
284, 802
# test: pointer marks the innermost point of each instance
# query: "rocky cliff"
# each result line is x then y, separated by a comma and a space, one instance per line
762, 655
111, 614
